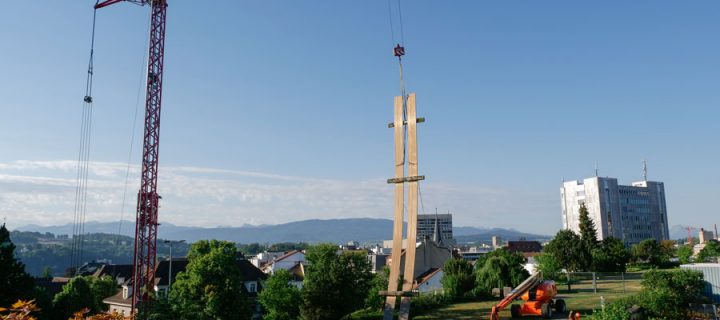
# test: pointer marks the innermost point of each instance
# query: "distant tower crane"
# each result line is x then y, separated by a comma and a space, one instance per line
147, 202
689, 238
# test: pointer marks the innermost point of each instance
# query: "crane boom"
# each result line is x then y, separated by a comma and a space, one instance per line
147, 201
530, 282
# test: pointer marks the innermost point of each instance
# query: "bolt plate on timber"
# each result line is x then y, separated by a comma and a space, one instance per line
418, 120
405, 179
399, 293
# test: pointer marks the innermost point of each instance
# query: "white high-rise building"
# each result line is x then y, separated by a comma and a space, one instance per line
630, 213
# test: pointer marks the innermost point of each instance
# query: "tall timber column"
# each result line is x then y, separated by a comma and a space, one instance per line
405, 124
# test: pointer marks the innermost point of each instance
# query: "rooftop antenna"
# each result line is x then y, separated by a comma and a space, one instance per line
644, 170
596, 168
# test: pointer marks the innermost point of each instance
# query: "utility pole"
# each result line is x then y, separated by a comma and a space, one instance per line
170, 242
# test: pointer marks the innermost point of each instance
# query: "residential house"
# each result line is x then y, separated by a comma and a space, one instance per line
162, 270
120, 272
262, 258
121, 302
429, 281
526, 248
473, 253
428, 254
286, 262
297, 275
378, 261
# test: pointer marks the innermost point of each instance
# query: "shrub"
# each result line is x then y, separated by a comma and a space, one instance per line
665, 295
427, 302
613, 311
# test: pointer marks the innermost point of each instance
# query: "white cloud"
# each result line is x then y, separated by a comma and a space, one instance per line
43, 192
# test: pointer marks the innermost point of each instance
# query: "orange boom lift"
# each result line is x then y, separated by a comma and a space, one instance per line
539, 296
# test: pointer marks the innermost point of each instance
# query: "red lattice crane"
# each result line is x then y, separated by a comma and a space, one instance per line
147, 203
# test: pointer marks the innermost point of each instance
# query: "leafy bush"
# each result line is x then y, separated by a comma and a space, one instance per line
458, 281
665, 295
550, 267
610, 256
498, 269
710, 252
365, 314
379, 282
427, 302
280, 299
613, 311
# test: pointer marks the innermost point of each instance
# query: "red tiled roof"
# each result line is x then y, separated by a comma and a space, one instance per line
286, 255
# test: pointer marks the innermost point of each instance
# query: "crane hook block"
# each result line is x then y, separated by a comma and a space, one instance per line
399, 51
88, 99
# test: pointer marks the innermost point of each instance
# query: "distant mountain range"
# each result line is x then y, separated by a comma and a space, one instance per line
680, 232
363, 230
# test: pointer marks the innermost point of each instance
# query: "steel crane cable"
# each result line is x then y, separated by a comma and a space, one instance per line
399, 51
80, 208
143, 73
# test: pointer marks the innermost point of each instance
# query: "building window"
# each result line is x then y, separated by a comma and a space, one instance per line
252, 288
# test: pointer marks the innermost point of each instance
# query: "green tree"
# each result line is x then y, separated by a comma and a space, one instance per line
498, 269
280, 299
569, 251
588, 235
102, 288
684, 253
287, 246
379, 282
75, 296
610, 256
15, 283
710, 252
668, 293
664, 295
667, 250
160, 310
47, 273
335, 284
83, 292
549, 266
211, 286
588, 232
458, 280
649, 251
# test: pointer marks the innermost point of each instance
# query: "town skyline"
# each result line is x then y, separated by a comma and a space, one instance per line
266, 124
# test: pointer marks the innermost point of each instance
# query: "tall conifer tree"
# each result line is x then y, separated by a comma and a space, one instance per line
588, 233
15, 283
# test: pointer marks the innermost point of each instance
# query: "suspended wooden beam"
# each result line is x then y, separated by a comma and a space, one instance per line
409, 274
399, 138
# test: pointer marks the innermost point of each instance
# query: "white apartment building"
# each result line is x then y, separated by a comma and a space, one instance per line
631, 213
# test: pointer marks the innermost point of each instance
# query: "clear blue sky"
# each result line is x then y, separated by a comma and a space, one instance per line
276, 111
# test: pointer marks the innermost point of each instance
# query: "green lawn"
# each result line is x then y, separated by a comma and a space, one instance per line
581, 298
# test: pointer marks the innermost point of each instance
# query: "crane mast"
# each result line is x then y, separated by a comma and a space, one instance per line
147, 201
